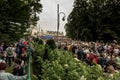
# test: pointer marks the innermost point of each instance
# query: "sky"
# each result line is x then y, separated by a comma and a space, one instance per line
48, 17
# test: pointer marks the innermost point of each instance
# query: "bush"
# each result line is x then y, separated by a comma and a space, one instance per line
37, 59
40, 41
60, 65
37, 40
51, 44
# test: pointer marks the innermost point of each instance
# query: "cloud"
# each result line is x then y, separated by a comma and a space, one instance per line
48, 17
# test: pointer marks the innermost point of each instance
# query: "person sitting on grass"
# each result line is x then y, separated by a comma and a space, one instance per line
8, 76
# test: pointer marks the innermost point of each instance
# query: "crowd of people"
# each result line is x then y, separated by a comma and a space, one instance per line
14, 55
105, 54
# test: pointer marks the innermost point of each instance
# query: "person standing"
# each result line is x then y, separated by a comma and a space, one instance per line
1, 50
9, 52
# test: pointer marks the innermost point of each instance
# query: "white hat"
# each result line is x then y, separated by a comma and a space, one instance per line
2, 61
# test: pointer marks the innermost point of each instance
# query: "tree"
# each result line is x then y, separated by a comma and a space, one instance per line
98, 19
16, 16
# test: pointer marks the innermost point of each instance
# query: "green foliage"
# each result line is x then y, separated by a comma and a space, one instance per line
51, 43
34, 77
16, 16
39, 41
62, 66
93, 20
37, 59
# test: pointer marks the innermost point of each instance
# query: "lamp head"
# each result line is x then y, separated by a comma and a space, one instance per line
63, 18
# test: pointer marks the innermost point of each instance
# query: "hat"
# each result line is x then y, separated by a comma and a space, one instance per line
114, 41
2, 61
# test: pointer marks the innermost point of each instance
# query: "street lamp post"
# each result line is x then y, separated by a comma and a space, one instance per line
58, 19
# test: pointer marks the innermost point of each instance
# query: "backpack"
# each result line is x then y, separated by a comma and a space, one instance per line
10, 52
111, 50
